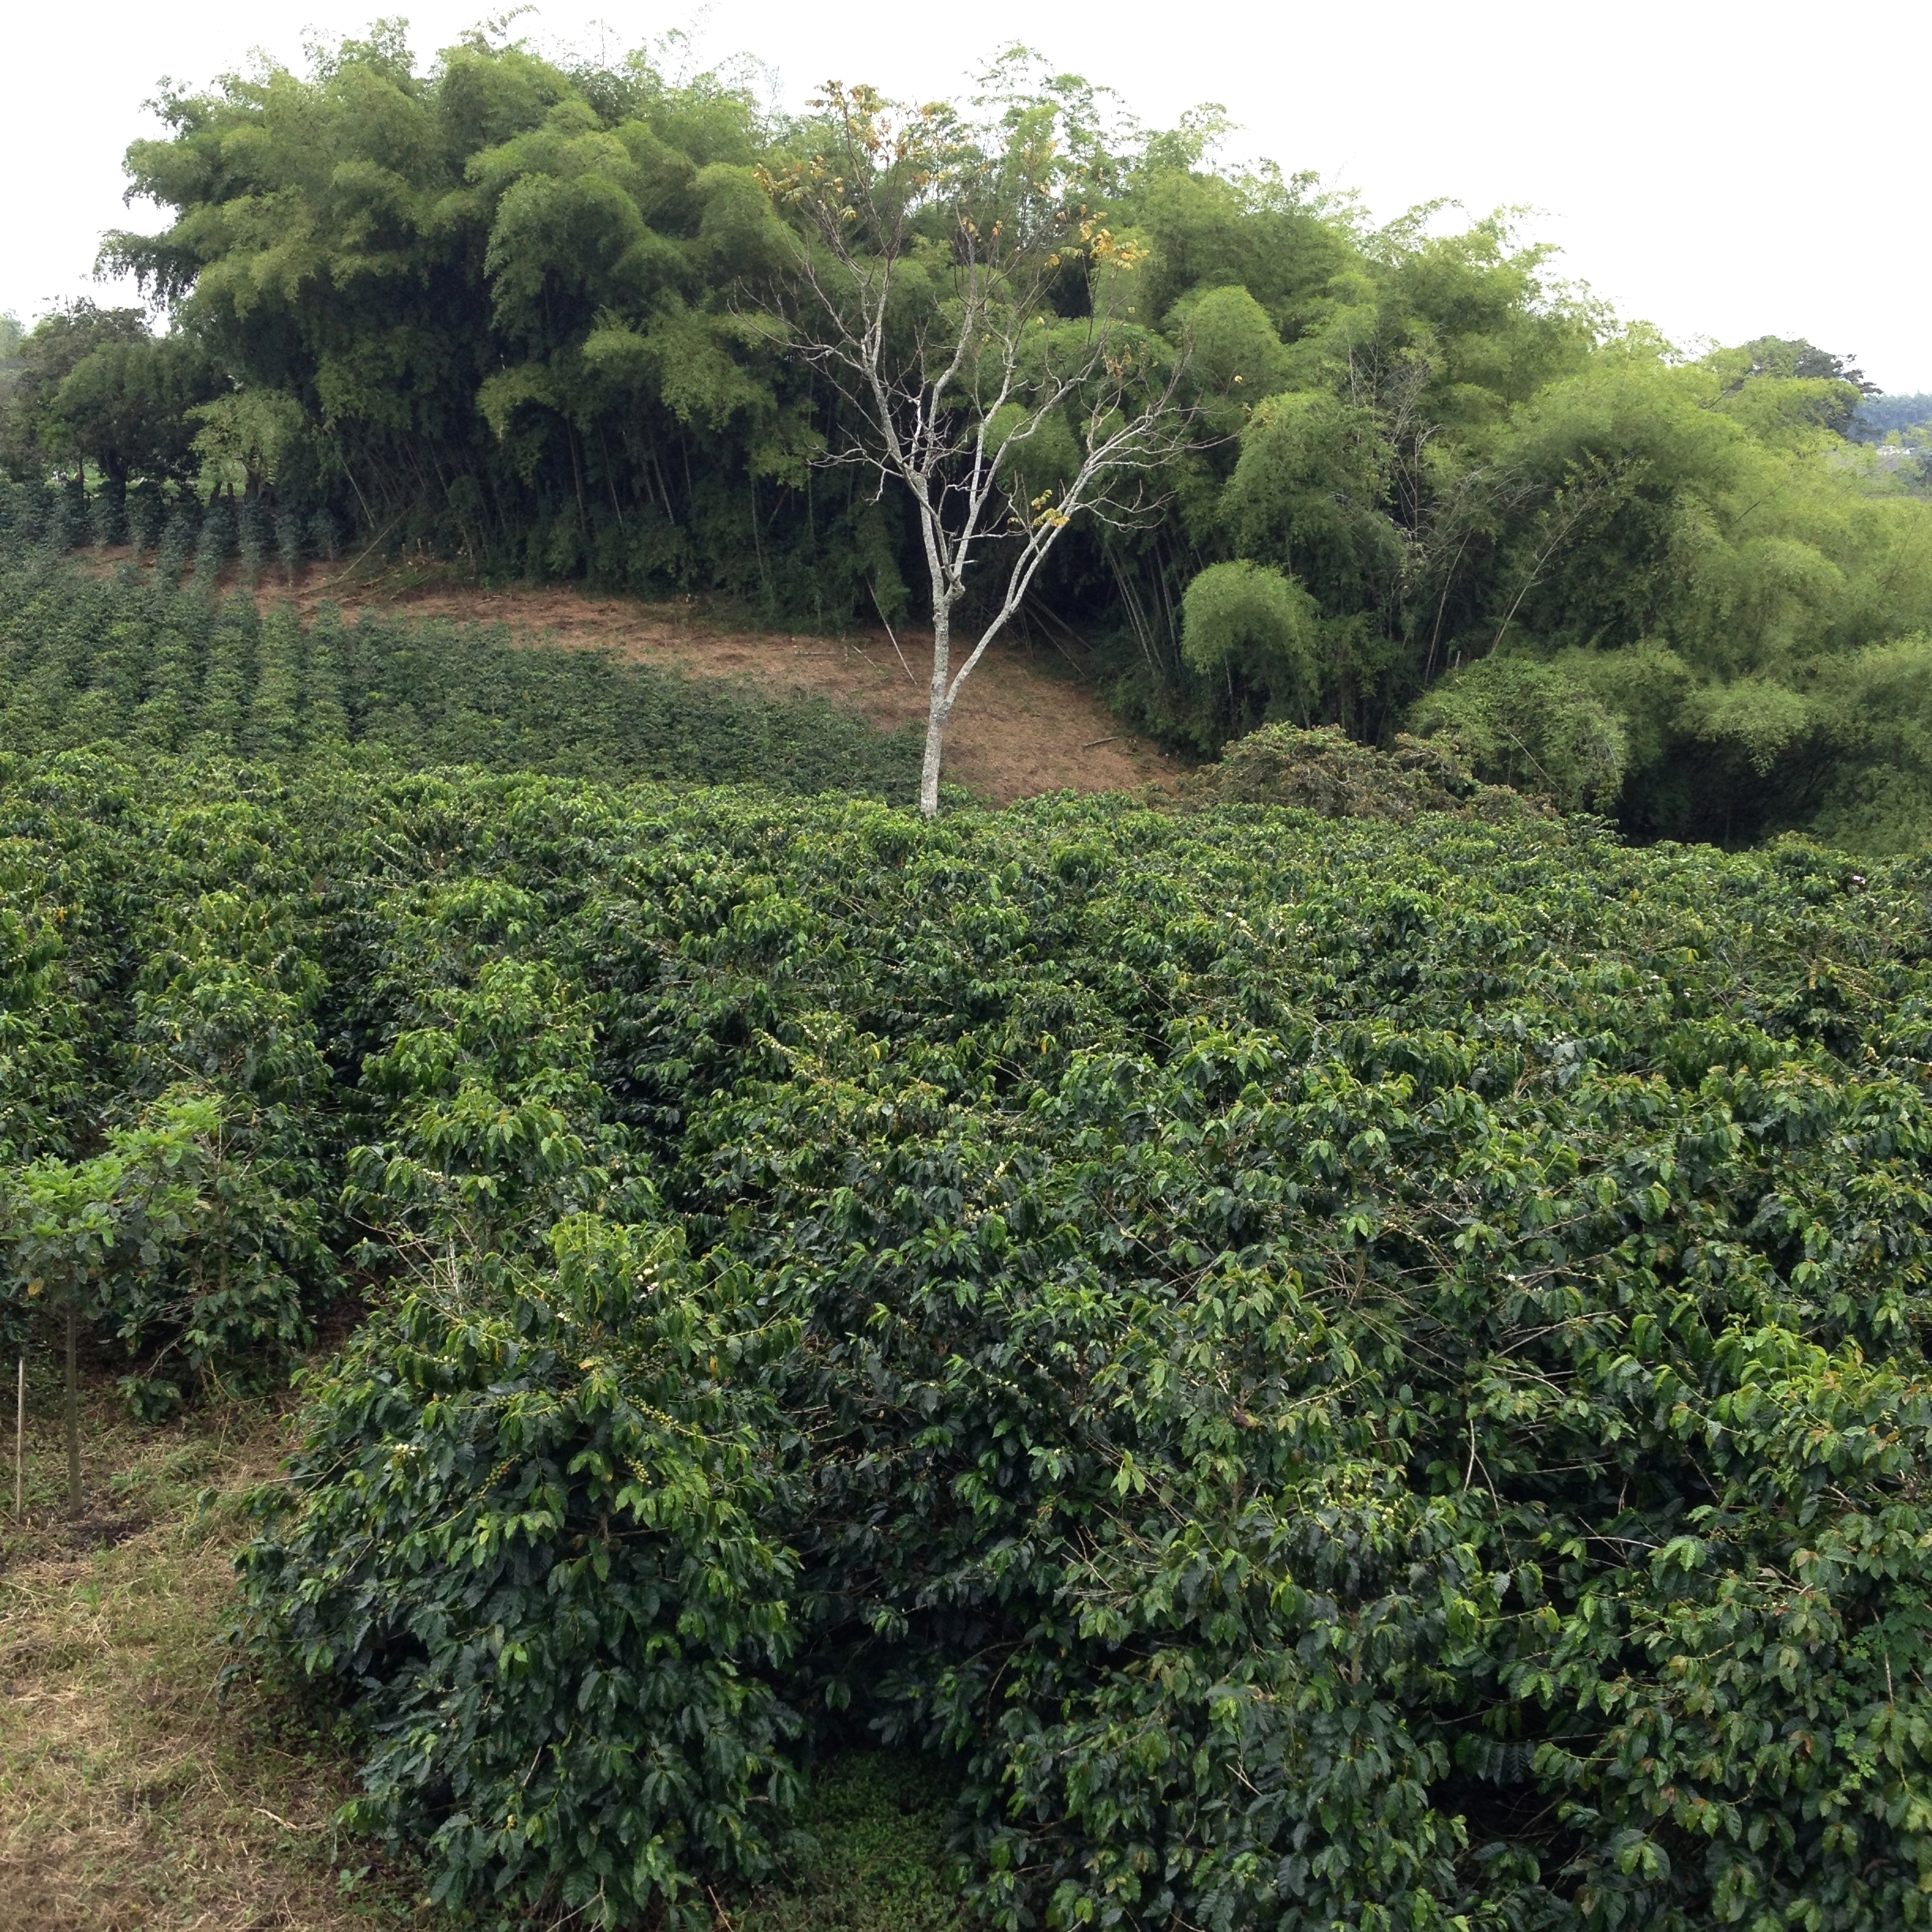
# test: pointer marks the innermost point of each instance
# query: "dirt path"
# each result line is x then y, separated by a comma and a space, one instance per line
1029, 720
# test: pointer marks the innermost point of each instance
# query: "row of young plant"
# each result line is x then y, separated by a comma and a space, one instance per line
126, 658
168, 527
1327, 1374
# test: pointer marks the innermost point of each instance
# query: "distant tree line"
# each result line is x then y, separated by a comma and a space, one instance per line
544, 319
1880, 416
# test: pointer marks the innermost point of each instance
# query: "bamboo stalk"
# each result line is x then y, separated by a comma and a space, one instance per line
20, 1444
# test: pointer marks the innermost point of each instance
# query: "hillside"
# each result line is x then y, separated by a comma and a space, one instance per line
1032, 720
1263, 1264
1266, 461
1305, 1366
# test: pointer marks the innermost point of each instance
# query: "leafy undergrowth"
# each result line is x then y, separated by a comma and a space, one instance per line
132, 1796
1325, 771
1320, 1372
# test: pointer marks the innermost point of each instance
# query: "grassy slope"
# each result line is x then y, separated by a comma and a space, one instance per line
135, 1797
131, 1797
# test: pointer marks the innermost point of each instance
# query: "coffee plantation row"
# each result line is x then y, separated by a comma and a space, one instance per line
1321, 1373
132, 657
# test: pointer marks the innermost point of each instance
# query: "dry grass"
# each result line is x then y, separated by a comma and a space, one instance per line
132, 1798
1029, 720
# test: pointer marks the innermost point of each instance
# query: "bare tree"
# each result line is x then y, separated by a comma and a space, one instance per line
938, 261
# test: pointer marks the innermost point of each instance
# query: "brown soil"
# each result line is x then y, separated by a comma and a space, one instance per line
1026, 722
1030, 719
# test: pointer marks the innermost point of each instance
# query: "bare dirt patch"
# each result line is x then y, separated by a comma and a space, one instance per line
1030, 719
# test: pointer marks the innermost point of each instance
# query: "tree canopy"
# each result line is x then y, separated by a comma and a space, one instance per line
547, 318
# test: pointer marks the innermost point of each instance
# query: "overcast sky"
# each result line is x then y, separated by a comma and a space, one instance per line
1722, 169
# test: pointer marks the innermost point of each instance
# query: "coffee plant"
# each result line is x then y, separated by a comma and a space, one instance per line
216, 543
289, 543
1320, 1372
106, 519
144, 519
135, 659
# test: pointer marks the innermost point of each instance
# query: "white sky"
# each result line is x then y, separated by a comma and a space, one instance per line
1723, 169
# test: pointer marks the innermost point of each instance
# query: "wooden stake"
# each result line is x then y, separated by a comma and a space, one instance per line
74, 1412
20, 1444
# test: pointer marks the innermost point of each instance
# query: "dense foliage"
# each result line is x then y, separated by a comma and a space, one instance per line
541, 317
1323, 1372
94, 385
1327, 772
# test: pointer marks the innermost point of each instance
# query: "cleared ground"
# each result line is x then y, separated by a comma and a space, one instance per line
1030, 719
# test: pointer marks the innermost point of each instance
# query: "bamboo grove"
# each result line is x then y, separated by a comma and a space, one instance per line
534, 317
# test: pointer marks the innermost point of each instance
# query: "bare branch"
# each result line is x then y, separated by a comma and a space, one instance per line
929, 252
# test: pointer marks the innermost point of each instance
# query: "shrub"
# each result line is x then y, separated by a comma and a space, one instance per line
289, 540
1532, 726
144, 518
58, 522
178, 541
105, 520
216, 543
252, 537
544, 1590
174, 1239
1325, 771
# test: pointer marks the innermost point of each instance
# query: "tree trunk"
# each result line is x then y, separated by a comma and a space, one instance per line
73, 1411
938, 708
